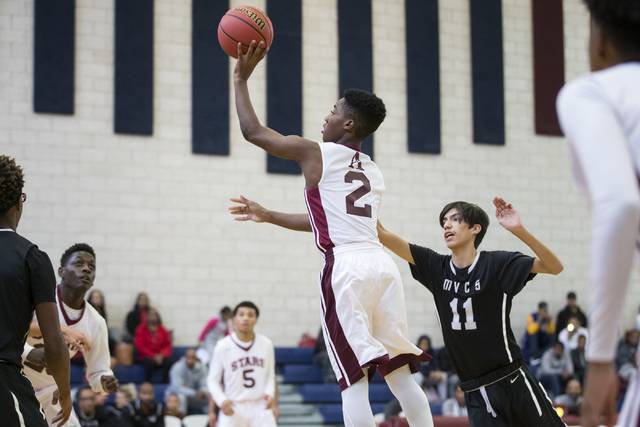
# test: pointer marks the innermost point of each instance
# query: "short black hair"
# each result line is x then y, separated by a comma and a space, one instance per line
225, 310
620, 19
11, 183
247, 304
542, 305
571, 295
73, 249
366, 110
472, 215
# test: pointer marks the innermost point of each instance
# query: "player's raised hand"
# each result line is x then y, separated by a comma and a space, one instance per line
506, 214
227, 407
65, 408
247, 63
251, 210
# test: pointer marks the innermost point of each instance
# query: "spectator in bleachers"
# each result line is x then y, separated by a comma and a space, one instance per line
188, 381
172, 406
143, 412
90, 413
539, 333
321, 358
432, 380
579, 360
572, 397
153, 343
216, 328
126, 393
626, 355
445, 365
137, 316
569, 335
96, 299
571, 309
555, 370
455, 406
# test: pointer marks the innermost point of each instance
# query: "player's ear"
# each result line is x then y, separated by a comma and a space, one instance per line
349, 125
61, 272
476, 229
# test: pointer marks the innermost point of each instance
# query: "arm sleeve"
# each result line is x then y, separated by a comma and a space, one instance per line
98, 359
167, 347
532, 326
513, 270
202, 382
177, 380
425, 261
214, 379
270, 386
143, 343
41, 276
207, 328
601, 155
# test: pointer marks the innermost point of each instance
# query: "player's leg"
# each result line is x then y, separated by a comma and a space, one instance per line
18, 403
344, 281
262, 417
630, 412
482, 413
355, 404
531, 406
412, 399
238, 419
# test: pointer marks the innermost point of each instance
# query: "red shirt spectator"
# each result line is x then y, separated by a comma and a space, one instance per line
153, 343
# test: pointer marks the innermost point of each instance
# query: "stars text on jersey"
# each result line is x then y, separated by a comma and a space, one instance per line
247, 361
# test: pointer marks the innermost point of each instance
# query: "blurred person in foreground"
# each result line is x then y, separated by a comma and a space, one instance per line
600, 116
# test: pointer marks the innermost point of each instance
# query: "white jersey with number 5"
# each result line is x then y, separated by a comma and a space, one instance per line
241, 371
343, 207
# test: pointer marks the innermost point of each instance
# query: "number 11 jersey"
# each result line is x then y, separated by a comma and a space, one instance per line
343, 207
473, 306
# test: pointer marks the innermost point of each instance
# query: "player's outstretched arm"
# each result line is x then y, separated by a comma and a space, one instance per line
253, 211
57, 355
289, 147
546, 262
395, 244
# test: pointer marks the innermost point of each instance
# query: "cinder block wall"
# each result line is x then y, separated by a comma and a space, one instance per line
157, 214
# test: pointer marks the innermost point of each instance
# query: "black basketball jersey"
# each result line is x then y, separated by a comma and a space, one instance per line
473, 306
26, 278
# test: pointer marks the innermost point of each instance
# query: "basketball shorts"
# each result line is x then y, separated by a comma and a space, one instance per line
18, 403
44, 396
364, 319
516, 400
252, 413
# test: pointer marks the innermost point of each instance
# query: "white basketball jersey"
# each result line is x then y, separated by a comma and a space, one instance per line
343, 207
245, 370
98, 360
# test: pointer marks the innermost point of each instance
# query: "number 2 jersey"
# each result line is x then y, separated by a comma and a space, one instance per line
343, 207
241, 371
473, 306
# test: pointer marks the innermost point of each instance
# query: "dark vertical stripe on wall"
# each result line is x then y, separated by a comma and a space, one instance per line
284, 77
423, 76
210, 80
53, 58
487, 72
355, 50
133, 102
548, 63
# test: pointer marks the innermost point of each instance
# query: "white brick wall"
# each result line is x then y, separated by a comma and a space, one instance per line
157, 214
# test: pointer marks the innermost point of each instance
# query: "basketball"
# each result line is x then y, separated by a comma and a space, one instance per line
243, 24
